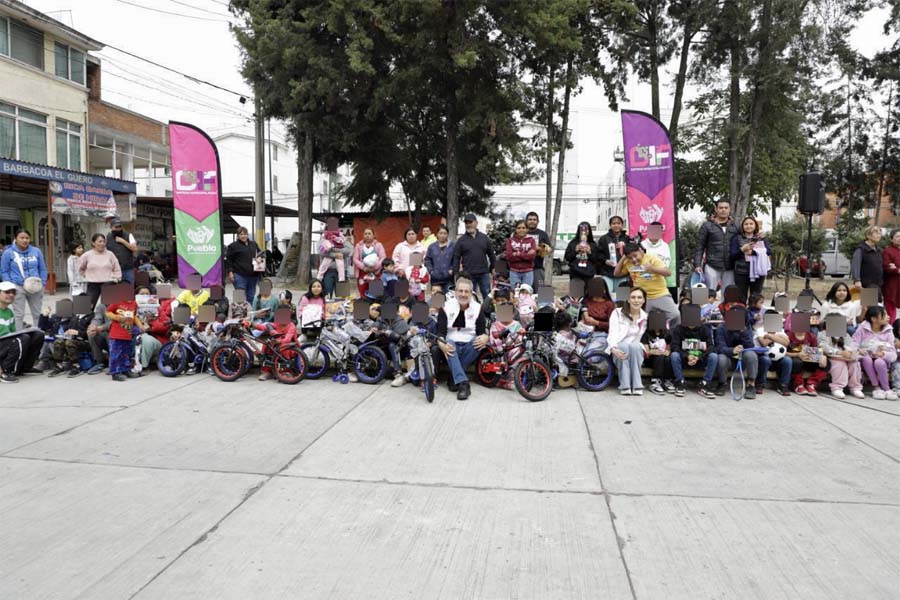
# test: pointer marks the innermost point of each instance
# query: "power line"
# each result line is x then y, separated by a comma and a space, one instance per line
200, 9
168, 12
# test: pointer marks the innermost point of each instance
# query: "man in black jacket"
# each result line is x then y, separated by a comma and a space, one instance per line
240, 258
474, 256
715, 241
123, 245
540, 238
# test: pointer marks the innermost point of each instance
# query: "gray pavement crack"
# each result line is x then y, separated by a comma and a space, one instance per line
606, 498
249, 494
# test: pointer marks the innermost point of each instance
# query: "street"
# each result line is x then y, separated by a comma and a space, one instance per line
194, 488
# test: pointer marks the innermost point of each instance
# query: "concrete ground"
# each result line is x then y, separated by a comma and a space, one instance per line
194, 488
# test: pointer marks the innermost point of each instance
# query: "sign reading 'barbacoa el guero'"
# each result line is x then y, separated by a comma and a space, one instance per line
18, 168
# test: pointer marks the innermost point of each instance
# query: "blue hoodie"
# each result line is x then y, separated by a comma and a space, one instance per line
31, 262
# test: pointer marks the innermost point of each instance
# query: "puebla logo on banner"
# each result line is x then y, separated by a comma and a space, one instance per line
196, 190
649, 180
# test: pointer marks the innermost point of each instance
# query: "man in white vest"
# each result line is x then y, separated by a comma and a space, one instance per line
461, 323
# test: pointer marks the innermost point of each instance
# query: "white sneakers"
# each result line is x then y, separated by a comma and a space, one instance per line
399, 380
890, 395
857, 393
839, 394
878, 394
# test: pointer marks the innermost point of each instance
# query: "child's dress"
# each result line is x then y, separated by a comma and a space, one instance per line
331, 240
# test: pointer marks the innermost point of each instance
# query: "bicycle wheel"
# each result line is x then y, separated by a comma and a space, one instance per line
228, 363
595, 371
317, 360
290, 365
370, 364
533, 379
172, 359
426, 370
488, 368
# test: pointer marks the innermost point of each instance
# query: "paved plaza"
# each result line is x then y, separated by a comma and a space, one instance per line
193, 488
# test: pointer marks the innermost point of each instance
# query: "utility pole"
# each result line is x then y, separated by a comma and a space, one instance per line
271, 186
260, 196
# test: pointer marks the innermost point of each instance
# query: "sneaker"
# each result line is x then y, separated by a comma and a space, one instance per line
399, 380
191, 370
703, 390
839, 394
264, 376
721, 389
119, 377
453, 387
760, 390
750, 394
811, 390
132, 374
625, 392
42, 365
657, 388
679, 389
95, 370
857, 393
878, 394
890, 395
57, 371
8, 378
800, 389
463, 392
784, 390
637, 392
74, 372
352, 378
670, 387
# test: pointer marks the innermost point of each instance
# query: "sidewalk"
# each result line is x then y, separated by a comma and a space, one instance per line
194, 488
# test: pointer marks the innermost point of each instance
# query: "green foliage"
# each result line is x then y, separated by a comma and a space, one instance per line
788, 240
688, 236
850, 228
503, 227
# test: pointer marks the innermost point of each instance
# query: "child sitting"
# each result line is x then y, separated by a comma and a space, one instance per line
564, 341
526, 303
875, 340
286, 300
286, 333
504, 333
194, 299
312, 308
730, 344
756, 310
656, 350
843, 357
803, 351
71, 340
694, 347
332, 241
264, 305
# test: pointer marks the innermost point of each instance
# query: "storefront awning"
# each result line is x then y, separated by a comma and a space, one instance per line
237, 206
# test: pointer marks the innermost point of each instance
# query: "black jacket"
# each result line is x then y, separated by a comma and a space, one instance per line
604, 254
867, 266
239, 258
571, 257
717, 244
124, 255
540, 237
702, 333
473, 255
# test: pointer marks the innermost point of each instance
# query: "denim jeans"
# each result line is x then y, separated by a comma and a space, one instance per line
756, 366
709, 362
783, 367
630, 367
465, 356
482, 284
516, 278
329, 282
248, 284
128, 275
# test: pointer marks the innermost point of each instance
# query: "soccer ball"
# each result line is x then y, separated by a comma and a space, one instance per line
370, 260
776, 352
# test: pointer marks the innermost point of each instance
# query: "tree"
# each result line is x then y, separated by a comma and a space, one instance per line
787, 240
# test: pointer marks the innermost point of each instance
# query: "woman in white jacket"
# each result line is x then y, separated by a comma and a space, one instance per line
626, 326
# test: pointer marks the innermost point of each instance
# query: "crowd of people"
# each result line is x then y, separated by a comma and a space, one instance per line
618, 302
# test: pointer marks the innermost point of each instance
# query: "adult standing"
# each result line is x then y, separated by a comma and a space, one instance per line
866, 267
474, 255
18, 353
521, 251
240, 262
610, 246
582, 254
891, 270
367, 256
715, 241
23, 265
750, 254
77, 286
542, 243
123, 245
626, 327
428, 238
335, 252
404, 250
439, 259
462, 324
98, 266
648, 273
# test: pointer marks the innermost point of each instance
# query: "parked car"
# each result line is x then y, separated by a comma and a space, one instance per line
560, 266
833, 260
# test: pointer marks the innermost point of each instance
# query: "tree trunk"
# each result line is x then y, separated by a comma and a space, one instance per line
548, 155
653, 42
680, 80
452, 129
734, 118
305, 168
560, 168
884, 152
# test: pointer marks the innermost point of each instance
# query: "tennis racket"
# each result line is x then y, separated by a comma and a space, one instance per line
738, 384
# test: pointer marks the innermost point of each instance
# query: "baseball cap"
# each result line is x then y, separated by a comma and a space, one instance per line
469, 217
5, 286
115, 222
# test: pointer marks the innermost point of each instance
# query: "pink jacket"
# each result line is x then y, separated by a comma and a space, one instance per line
359, 269
865, 338
401, 255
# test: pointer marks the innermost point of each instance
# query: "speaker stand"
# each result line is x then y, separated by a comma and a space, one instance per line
807, 290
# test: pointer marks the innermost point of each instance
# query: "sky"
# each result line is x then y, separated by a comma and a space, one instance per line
193, 36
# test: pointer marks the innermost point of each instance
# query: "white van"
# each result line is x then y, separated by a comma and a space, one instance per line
836, 264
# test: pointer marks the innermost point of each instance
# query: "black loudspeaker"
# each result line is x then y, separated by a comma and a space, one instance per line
812, 194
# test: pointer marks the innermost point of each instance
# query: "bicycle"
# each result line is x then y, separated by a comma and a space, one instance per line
335, 342
287, 361
420, 352
175, 355
532, 374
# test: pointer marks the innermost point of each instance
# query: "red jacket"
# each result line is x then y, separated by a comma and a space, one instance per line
162, 324
601, 311
520, 253
891, 287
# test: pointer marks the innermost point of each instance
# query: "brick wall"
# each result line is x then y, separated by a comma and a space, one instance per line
112, 117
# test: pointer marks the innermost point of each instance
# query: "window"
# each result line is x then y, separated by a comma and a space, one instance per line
23, 134
21, 42
274, 152
68, 145
275, 183
69, 63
